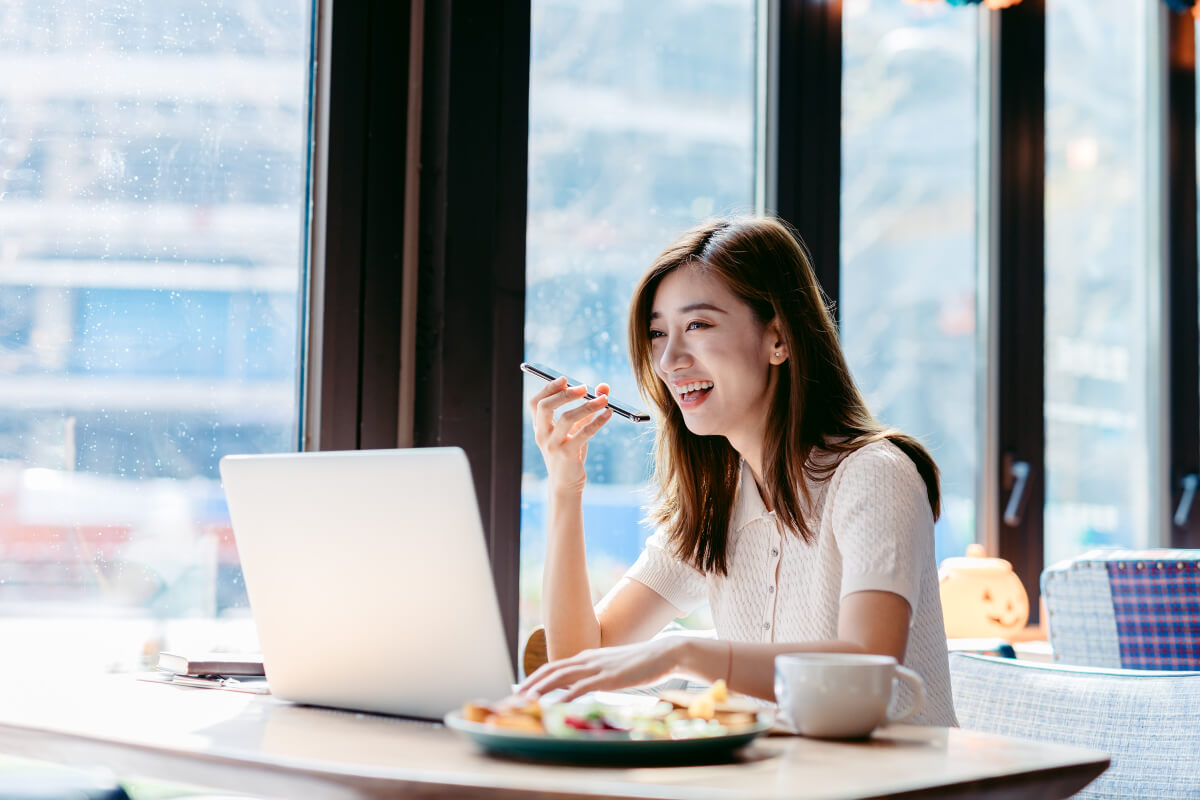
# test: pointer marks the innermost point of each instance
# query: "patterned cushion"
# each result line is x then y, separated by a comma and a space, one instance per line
1147, 721
1137, 609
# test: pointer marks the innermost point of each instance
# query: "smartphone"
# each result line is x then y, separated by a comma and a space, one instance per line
627, 411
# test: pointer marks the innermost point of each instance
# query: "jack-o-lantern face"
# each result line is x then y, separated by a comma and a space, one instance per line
1010, 614
982, 597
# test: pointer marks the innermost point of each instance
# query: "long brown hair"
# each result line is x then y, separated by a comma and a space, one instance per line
815, 405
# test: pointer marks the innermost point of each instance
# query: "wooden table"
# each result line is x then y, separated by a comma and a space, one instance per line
259, 745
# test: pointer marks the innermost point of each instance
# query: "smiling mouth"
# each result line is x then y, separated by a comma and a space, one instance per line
1002, 623
696, 394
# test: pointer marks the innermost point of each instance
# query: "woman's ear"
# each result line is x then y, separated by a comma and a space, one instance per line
773, 338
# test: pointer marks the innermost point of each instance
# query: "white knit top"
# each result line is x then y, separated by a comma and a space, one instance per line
874, 532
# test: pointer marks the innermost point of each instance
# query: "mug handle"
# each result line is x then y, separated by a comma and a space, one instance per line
918, 687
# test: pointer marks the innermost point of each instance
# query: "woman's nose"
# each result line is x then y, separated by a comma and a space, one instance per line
674, 355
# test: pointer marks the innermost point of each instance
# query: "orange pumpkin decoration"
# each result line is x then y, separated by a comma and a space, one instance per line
982, 597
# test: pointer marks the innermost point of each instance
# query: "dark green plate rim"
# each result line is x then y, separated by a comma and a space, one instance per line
600, 748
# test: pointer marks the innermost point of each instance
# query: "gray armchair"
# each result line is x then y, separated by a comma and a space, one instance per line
1147, 721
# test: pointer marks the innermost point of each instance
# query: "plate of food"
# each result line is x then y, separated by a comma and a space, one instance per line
676, 728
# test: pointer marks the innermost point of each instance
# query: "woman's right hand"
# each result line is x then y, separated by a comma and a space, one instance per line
564, 441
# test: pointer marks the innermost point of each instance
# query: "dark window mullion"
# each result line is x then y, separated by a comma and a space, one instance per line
1184, 381
334, 337
383, 223
808, 141
354, 333
1020, 252
471, 280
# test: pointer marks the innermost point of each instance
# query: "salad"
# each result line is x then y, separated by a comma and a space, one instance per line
679, 715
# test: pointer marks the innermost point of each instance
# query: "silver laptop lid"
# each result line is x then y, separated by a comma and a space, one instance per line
368, 575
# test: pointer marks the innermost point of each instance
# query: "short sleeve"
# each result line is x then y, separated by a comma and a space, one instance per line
680, 584
882, 523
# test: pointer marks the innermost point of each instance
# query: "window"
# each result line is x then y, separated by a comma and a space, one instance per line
153, 196
641, 124
907, 288
1097, 441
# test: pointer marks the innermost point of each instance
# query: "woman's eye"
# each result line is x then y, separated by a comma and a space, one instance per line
656, 334
696, 324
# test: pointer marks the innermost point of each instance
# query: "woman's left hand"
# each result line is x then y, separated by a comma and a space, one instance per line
607, 668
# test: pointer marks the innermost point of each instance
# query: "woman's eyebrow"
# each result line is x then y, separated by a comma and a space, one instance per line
690, 307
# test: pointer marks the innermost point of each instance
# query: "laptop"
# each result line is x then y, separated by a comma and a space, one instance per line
368, 575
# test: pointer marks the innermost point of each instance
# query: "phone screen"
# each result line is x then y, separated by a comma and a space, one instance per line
545, 373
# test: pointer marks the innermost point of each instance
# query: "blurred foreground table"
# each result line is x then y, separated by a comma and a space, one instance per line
262, 746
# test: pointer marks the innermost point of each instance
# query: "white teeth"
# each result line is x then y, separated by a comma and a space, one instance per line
692, 387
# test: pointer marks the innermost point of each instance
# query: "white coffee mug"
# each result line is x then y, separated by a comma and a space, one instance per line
841, 695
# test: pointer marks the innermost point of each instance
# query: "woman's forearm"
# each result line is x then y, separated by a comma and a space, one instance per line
747, 667
570, 620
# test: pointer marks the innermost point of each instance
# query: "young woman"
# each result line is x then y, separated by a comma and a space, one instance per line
804, 523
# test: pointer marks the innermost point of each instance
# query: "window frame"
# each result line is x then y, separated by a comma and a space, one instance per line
804, 102
415, 199
356, 274
1015, 229
1182, 268
378, 378
474, 155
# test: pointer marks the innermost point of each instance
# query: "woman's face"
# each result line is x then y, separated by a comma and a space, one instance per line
714, 356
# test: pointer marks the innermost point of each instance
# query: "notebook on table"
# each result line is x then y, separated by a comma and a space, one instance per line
369, 580
224, 664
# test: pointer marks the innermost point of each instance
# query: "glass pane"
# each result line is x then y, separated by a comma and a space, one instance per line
641, 123
907, 294
153, 183
1096, 452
